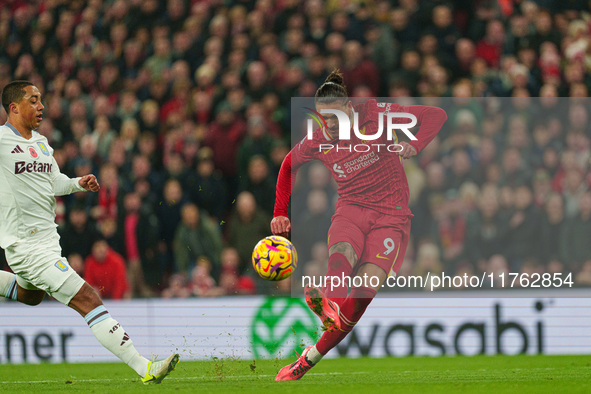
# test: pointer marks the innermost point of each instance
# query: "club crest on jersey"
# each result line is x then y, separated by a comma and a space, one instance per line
43, 148
61, 266
33, 152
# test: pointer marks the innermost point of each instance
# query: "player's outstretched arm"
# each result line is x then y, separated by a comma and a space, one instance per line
63, 184
89, 183
280, 225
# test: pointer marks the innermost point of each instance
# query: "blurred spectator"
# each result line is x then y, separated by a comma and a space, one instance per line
551, 241
205, 187
451, 229
196, 236
108, 199
202, 283
79, 234
461, 170
169, 217
177, 287
105, 270
491, 46
256, 142
359, 71
104, 135
259, 183
231, 281
141, 233
428, 261
224, 137
142, 170
514, 170
488, 228
541, 187
422, 210
499, 268
247, 226
77, 263
577, 230
523, 230
583, 278
314, 223
574, 188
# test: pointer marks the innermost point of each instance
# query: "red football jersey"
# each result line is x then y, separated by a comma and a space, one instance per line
374, 179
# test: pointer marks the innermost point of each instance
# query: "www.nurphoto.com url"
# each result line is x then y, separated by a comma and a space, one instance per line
437, 281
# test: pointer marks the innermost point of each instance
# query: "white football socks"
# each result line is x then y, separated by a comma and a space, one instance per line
114, 338
313, 355
8, 285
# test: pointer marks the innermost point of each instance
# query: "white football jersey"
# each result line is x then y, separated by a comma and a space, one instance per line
29, 179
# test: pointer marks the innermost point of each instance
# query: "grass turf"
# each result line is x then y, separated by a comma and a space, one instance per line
482, 374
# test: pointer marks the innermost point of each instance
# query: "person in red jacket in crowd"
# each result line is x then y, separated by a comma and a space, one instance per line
104, 269
370, 229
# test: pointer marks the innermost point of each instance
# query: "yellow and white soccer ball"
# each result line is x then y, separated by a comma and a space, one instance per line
274, 258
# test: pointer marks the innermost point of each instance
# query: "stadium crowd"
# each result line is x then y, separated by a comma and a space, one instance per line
181, 108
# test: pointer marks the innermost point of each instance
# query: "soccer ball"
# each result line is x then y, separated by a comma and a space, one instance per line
274, 258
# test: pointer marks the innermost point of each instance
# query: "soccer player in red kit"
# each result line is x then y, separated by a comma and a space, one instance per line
370, 229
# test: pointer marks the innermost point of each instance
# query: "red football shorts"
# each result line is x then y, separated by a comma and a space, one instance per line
376, 238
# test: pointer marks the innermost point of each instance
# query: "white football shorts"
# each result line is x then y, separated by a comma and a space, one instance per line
38, 264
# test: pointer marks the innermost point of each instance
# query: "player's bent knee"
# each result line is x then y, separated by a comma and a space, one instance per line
29, 297
346, 249
85, 300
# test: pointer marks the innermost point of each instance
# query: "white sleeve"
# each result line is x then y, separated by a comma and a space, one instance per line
63, 185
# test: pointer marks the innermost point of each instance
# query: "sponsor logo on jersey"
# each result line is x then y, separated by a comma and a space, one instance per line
61, 266
43, 148
21, 167
33, 152
17, 149
339, 170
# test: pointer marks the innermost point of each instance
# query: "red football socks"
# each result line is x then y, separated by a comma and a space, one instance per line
352, 309
339, 268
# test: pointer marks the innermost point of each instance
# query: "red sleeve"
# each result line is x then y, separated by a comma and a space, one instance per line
287, 175
431, 119
283, 191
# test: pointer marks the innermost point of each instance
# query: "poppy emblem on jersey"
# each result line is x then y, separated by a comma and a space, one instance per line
33, 152
43, 148
61, 266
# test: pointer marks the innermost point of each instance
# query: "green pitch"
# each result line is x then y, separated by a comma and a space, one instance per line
497, 374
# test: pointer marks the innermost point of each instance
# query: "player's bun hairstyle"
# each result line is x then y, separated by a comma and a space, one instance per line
14, 93
333, 89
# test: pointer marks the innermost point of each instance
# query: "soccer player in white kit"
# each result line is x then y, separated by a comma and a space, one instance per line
29, 179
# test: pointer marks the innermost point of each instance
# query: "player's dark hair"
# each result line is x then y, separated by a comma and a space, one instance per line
333, 89
14, 93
